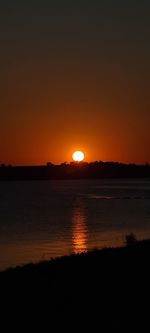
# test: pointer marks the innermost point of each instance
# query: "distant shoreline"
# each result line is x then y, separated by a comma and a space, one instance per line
83, 170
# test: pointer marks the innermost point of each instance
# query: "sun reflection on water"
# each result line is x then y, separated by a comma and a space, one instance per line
79, 228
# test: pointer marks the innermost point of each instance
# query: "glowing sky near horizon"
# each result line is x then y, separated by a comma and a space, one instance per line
75, 75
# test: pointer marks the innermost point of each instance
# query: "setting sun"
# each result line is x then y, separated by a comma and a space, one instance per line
78, 156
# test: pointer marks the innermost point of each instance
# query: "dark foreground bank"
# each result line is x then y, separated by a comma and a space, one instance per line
108, 289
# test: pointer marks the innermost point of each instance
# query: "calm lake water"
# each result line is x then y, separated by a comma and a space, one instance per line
44, 219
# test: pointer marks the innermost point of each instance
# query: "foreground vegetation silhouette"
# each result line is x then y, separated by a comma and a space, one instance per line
108, 288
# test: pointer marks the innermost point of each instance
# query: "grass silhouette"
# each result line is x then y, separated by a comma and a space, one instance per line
106, 287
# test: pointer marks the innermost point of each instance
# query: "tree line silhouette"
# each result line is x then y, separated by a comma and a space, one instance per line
75, 170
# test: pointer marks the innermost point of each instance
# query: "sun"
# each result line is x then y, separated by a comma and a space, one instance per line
78, 156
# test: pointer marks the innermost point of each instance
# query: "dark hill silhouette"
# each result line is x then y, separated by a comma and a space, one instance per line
75, 170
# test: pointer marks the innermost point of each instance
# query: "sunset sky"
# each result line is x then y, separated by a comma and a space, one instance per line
75, 75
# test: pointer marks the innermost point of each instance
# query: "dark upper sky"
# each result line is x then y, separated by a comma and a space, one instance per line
74, 75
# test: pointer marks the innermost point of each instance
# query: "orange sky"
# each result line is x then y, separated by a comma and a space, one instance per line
74, 79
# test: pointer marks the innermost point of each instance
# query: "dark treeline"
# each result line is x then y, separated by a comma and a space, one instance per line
74, 170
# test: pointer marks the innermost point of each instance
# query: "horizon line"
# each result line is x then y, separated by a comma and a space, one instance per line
49, 163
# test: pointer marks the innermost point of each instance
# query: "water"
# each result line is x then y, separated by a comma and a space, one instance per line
41, 220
